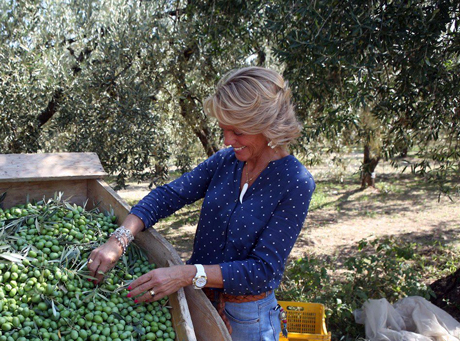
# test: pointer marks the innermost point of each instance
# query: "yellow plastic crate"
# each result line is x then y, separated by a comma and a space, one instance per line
305, 321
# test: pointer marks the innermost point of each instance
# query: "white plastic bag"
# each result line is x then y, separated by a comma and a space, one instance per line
425, 318
410, 319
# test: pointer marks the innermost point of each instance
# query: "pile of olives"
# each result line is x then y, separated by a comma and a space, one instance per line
46, 292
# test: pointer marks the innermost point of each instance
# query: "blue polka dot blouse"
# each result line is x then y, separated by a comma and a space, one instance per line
250, 240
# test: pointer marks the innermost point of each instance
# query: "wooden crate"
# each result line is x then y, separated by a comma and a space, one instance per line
80, 177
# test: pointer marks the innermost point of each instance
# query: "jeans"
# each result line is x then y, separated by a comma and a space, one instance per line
254, 321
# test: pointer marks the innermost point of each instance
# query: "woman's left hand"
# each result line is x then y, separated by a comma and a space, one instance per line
158, 283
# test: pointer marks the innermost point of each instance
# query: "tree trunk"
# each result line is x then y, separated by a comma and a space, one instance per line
447, 294
403, 152
188, 104
26, 140
200, 130
368, 168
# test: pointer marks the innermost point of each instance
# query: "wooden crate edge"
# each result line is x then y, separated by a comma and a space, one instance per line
50, 167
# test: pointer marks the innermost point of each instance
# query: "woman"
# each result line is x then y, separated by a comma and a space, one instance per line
256, 197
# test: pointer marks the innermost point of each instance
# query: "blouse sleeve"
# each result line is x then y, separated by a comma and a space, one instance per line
167, 199
263, 269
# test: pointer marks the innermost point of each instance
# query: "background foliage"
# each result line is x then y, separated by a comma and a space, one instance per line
122, 78
380, 74
126, 79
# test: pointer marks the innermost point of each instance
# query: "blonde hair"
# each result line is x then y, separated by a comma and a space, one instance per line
255, 100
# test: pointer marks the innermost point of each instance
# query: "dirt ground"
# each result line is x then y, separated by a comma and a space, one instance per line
414, 218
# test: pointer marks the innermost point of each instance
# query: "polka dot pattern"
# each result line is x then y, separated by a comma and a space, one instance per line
251, 240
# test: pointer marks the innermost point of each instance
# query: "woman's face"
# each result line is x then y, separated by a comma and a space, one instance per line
246, 147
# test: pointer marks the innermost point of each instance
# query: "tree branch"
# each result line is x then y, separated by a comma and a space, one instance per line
51, 109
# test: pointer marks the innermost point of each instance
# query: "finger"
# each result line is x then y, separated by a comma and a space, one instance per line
141, 284
93, 266
100, 274
141, 289
161, 290
148, 298
94, 261
99, 263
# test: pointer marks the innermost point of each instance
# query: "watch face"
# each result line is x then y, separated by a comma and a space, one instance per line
200, 282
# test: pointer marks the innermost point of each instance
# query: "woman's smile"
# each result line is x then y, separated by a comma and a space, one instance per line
239, 148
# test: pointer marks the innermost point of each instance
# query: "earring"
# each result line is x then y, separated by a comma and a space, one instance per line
272, 145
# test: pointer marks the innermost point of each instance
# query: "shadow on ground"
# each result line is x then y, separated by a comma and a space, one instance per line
345, 201
440, 235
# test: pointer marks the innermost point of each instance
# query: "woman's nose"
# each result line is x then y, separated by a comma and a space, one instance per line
229, 138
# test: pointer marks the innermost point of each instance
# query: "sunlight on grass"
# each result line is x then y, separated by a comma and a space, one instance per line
187, 215
320, 198
132, 202
391, 188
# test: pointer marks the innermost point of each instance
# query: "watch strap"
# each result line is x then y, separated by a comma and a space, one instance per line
200, 279
200, 270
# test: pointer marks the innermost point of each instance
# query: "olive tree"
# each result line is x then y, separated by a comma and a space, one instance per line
382, 74
124, 79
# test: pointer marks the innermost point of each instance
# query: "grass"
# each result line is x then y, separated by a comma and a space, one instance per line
131, 202
187, 215
390, 268
339, 191
320, 198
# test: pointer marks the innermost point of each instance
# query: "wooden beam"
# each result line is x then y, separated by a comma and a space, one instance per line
32, 191
46, 167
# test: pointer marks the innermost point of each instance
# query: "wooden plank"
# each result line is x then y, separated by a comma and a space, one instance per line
181, 318
102, 195
208, 325
30, 191
181, 314
54, 166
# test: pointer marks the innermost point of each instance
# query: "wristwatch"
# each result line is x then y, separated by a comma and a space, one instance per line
200, 279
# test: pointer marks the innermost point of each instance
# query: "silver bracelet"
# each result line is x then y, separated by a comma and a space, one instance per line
123, 236
127, 233
122, 244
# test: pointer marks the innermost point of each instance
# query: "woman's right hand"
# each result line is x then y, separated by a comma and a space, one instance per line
104, 258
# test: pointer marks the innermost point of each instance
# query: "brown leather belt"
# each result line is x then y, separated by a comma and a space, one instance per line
211, 294
220, 298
